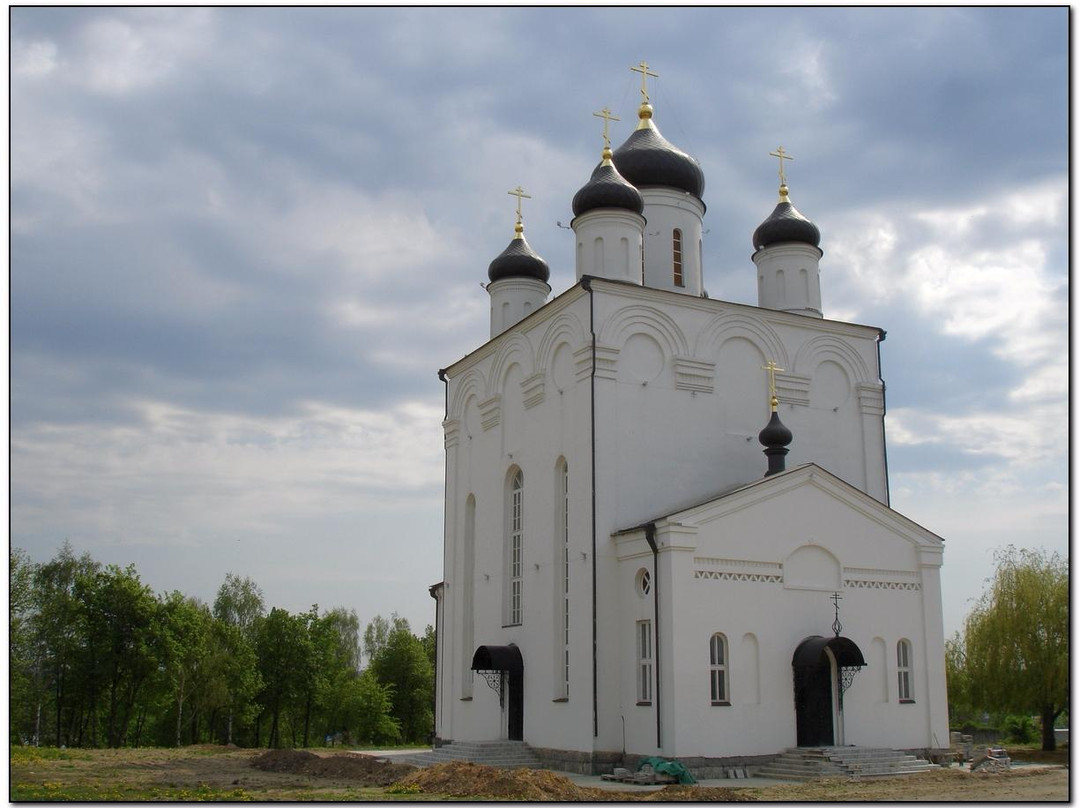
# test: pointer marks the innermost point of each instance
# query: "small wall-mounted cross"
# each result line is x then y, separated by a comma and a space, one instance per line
643, 69
837, 626
782, 156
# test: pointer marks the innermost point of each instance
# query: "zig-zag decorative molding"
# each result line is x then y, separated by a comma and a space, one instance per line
754, 577
857, 584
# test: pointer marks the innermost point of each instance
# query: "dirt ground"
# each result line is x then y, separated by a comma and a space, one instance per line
223, 773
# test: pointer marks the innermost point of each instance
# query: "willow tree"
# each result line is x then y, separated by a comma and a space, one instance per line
1016, 640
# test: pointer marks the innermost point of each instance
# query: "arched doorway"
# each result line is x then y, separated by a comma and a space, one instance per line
821, 670
503, 669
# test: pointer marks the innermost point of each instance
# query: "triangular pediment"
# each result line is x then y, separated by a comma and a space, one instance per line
778, 491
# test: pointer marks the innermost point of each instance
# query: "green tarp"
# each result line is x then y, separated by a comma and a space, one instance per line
672, 767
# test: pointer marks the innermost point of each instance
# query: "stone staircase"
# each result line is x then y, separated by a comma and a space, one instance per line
499, 754
811, 763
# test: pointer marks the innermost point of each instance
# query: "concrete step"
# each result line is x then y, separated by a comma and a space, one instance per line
498, 754
844, 761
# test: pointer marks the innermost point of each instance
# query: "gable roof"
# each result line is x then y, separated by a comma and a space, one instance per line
746, 495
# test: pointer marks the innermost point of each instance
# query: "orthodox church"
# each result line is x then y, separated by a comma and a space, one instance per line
627, 571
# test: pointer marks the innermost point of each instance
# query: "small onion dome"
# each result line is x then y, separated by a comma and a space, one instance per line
518, 260
786, 224
648, 159
775, 435
607, 188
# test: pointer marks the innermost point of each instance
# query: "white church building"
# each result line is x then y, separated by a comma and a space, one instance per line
627, 572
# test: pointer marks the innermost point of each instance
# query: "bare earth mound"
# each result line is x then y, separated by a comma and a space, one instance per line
474, 780
365, 769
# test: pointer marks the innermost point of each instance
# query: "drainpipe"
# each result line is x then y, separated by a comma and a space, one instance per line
586, 284
884, 445
434, 591
650, 537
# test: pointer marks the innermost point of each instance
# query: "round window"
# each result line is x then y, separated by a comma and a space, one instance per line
644, 582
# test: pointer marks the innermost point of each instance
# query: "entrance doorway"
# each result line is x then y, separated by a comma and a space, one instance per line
817, 668
515, 707
503, 669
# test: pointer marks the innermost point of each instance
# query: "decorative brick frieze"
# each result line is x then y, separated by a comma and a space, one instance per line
871, 398
694, 374
793, 388
490, 411
532, 390
451, 432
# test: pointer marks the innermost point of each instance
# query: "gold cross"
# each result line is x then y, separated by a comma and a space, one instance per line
605, 113
519, 192
772, 370
782, 155
643, 69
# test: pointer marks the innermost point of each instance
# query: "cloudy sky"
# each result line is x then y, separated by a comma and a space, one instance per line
244, 240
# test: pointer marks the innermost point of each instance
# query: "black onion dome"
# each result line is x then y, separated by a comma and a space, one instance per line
607, 188
647, 158
775, 435
518, 260
786, 224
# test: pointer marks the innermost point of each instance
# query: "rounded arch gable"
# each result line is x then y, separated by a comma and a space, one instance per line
728, 326
471, 385
516, 350
564, 329
811, 566
645, 320
826, 348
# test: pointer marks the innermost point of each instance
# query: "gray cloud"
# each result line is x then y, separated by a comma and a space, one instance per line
243, 240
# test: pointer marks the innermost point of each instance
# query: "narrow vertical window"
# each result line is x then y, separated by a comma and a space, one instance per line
903, 670
676, 256
718, 668
468, 573
515, 537
563, 495
645, 662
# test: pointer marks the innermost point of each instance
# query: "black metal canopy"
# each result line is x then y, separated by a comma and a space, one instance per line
498, 658
811, 650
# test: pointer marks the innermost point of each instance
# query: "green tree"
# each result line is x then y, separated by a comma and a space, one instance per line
1015, 645
23, 677
185, 639
59, 647
238, 608
284, 651
404, 665
378, 632
367, 711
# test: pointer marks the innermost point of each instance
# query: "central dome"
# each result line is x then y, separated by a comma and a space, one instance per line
648, 159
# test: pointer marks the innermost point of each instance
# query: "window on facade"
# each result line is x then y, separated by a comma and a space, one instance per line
515, 538
563, 496
645, 661
903, 670
676, 256
718, 668
469, 572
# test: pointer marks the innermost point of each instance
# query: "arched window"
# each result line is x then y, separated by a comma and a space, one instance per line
562, 580
676, 256
903, 671
515, 536
468, 575
645, 661
718, 669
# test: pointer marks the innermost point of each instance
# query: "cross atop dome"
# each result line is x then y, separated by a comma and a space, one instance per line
605, 113
519, 227
782, 156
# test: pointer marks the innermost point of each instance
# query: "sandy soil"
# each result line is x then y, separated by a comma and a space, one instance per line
295, 776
